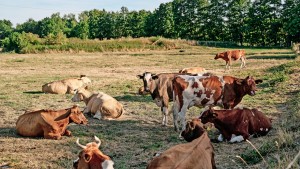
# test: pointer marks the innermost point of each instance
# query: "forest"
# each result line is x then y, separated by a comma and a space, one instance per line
255, 23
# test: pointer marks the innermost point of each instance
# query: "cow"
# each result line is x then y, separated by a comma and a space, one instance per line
91, 157
142, 91
50, 124
232, 55
193, 70
237, 124
161, 89
193, 130
203, 91
100, 104
66, 85
199, 153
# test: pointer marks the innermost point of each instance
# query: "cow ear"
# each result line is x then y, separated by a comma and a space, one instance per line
240, 81
87, 158
258, 81
139, 76
154, 77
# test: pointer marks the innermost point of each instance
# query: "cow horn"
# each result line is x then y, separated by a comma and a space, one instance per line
82, 146
99, 141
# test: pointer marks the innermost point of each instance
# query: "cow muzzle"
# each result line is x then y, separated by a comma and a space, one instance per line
252, 93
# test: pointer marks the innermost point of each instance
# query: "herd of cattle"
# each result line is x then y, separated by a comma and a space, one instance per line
190, 87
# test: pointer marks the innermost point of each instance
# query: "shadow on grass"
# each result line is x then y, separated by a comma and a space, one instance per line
279, 57
134, 98
33, 92
8, 132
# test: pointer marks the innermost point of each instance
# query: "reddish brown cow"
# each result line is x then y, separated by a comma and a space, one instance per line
198, 153
209, 90
237, 124
49, 123
235, 55
92, 158
193, 130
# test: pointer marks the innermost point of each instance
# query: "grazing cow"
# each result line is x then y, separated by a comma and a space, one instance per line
193, 70
198, 153
161, 89
66, 85
204, 91
99, 104
237, 124
92, 158
235, 55
49, 123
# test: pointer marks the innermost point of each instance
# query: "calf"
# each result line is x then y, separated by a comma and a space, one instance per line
198, 153
91, 157
235, 55
66, 85
238, 124
205, 91
100, 104
49, 123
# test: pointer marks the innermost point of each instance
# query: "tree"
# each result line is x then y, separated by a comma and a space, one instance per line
291, 20
5, 28
29, 26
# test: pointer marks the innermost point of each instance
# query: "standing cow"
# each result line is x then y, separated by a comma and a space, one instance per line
204, 91
49, 123
237, 124
161, 89
232, 55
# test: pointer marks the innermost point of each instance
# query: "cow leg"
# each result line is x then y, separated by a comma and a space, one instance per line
235, 138
67, 133
243, 62
97, 115
175, 115
165, 112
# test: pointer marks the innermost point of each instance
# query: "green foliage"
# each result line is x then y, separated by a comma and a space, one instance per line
58, 39
19, 41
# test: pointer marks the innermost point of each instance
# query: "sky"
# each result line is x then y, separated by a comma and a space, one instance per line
19, 11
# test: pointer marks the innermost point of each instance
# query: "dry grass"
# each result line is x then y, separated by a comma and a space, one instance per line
132, 140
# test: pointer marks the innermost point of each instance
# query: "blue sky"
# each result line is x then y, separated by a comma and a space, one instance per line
19, 11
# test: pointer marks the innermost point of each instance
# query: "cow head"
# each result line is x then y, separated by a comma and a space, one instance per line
92, 157
193, 130
147, 77
249, 84
77, 116
219, 55
78, 96
208, 116
85, 79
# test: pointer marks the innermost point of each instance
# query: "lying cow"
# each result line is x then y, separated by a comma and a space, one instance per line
66, 85
49, 124
161, 89
238, 124
193, 130
232, 55
193, 70
99, 104
204, 91
92, 158
198, 153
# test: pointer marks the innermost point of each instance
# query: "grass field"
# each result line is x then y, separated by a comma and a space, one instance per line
132, 140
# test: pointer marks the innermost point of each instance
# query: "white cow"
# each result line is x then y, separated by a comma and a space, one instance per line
101, 105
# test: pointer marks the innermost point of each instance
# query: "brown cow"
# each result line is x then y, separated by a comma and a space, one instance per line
233, 54
193, 70
92, 158
198, 153
204, 91
193, 130
100, 104
66, 85
161, 89
237, 124
49, 123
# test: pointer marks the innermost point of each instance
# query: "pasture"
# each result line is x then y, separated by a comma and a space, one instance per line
132, 140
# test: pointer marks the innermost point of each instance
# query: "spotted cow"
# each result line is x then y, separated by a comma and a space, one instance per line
203, 91
237, 124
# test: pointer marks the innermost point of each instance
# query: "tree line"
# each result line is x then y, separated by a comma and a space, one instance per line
244, 22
